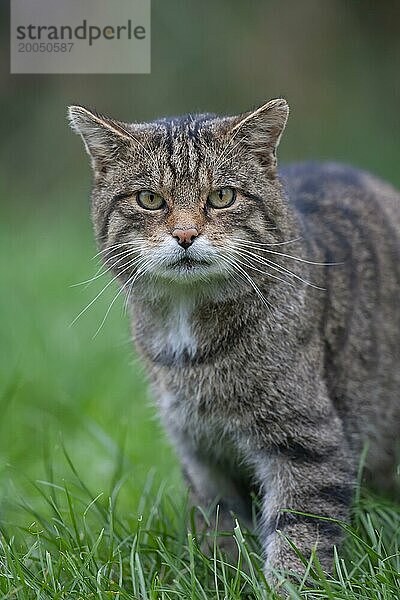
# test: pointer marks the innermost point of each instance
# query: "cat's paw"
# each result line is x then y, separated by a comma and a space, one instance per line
283, 564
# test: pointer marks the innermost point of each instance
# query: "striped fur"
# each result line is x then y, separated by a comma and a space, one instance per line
269, 376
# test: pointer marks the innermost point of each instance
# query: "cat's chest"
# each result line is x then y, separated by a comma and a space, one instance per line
211, 427
174, 334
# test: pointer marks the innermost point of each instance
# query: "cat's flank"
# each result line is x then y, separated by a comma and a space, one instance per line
264, 305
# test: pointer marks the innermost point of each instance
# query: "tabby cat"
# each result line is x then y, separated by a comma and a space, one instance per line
264, 305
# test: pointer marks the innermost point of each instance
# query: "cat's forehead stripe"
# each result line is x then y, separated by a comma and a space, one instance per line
182, 145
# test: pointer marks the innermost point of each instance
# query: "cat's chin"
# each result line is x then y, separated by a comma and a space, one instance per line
198, 284
190, 272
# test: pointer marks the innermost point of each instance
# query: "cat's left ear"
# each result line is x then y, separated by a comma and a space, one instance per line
261, 130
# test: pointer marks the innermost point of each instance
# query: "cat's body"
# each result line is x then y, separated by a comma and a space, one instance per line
272, 372
354, 218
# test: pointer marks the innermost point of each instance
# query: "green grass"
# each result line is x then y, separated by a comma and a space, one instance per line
57, 381
80, 515
85, 545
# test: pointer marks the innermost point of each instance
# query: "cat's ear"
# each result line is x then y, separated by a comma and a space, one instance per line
261, 130
104, 138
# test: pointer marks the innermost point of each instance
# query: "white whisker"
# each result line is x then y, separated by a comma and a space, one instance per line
251, 282
132, 279
136, 243
110, 249
251, 266
130, 265
279, 268
255, 245
126, 253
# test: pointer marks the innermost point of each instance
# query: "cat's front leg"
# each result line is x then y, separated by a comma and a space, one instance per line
317, 479
211, 487
214, 495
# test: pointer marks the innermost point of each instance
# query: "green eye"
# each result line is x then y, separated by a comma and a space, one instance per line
222, 198
150, 200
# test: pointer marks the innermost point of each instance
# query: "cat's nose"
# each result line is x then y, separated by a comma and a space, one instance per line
185, 237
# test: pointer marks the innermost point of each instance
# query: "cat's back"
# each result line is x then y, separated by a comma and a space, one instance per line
330, 191
349, 216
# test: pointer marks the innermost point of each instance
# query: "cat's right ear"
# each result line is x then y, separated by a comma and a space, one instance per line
104, 138
260, 130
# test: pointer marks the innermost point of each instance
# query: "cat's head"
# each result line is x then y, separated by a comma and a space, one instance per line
176, 199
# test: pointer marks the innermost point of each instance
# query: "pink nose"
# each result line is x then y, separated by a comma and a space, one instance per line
185, 237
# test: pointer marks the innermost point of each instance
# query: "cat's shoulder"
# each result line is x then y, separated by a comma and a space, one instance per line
313, 177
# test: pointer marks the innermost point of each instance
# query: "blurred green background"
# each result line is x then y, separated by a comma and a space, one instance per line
337, 63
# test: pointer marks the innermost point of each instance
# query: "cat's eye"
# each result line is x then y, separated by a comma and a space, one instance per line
222, 198
150, 200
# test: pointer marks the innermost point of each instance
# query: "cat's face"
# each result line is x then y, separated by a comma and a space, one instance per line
174, 199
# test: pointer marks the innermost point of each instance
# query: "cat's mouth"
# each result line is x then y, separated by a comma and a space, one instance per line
188, 268
200, 262
187, 263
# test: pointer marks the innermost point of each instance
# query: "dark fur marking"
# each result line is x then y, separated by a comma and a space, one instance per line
184, 359
125, 229
365, 238
300, 453
299, 421
338, 493
263, 205
252, 196
250, 231
353, 283
286, 519
169, 145
106, 220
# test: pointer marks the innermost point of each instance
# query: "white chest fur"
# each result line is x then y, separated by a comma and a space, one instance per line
175, 331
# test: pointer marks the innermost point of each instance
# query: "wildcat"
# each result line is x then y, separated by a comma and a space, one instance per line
264, 305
